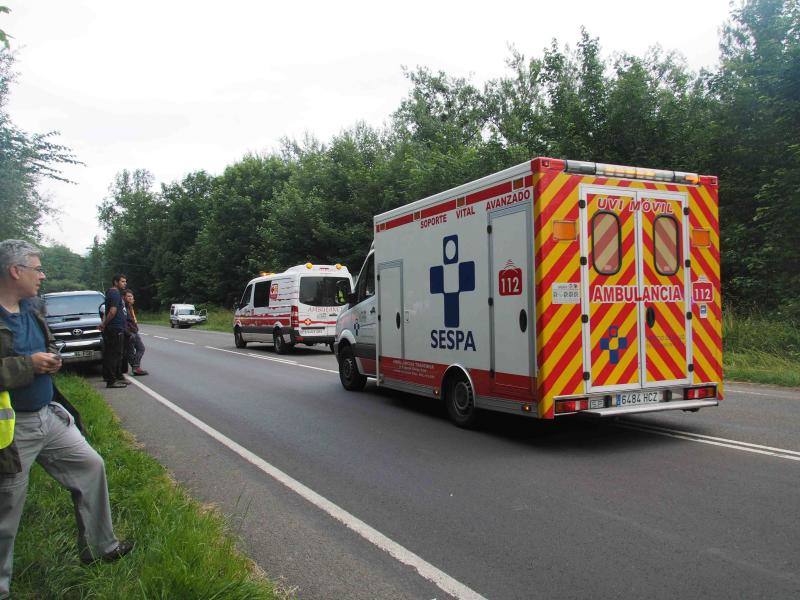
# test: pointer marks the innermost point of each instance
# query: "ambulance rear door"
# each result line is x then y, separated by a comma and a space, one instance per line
633, 282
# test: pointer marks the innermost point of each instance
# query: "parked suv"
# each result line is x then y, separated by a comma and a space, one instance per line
73, 318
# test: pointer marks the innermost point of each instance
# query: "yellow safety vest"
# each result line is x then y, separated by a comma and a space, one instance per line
6, 420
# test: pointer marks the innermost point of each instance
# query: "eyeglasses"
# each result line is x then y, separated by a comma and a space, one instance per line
39, 270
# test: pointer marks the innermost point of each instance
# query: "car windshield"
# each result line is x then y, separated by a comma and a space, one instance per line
185, 311
323, 291
85, 304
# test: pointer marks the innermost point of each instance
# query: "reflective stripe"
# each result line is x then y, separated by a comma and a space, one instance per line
6, 420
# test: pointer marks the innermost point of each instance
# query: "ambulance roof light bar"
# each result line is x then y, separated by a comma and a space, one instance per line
582, 167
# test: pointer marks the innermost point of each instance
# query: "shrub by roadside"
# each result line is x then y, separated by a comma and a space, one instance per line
182, 549
761, 348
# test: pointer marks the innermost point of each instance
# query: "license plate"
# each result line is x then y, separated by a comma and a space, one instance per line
83, 353
640, 397
313, 330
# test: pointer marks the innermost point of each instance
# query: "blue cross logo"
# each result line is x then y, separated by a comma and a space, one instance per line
356, 327
614, 344
449, 289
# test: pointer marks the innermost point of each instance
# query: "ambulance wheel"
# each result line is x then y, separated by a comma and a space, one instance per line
281, 347
460, 401
238, 339
351, 379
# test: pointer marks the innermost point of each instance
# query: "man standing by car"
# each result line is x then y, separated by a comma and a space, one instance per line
134, 346
42, 430
113, 328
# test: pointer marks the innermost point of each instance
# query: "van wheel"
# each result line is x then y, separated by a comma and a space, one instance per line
460, 401
238, 339
281, 347
351, 379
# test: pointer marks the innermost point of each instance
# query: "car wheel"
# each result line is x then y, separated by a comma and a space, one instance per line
281, 347
331, 346
238, 339
460, 401
351, 379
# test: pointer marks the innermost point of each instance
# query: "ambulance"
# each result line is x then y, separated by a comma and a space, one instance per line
552, 288
298, 306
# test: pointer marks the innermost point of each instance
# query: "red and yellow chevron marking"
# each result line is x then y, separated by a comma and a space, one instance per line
558, 326
613, 326
662, 252
706, 332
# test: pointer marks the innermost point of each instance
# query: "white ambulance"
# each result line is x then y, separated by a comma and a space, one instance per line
551, 288
298, 306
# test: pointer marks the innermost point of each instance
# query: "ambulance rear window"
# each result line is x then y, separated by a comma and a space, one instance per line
666, 251
323, 291
606, 243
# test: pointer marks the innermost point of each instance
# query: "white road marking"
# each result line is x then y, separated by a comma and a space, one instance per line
774, 394
270, 358
439, 578
160, 337
715, 441
187, 343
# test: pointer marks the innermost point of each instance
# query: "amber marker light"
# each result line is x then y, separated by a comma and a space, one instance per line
701, 238
565, 231
338, 267
309, 265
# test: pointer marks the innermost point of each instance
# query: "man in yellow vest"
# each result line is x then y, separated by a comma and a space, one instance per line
43, 431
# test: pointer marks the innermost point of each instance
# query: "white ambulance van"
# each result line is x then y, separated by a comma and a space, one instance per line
550, 288
298, 306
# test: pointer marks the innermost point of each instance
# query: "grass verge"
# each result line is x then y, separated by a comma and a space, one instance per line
182, 550
760, 349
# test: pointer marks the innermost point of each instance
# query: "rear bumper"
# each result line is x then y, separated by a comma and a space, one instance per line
312, 339
616, 411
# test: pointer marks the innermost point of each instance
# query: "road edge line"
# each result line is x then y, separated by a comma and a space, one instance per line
425, 569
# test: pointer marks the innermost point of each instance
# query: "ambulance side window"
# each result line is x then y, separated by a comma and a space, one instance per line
246, 296
666, 247
606, 243
366, 280
261, 295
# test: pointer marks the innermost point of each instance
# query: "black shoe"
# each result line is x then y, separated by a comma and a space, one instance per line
117, 384
121, 549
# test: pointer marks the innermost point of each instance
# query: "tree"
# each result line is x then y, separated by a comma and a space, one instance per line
24, 160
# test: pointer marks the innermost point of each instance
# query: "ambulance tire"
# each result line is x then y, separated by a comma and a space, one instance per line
351, 379
280, 345
238, 339
460, 401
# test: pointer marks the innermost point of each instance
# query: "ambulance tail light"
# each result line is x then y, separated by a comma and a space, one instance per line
295, 318
571, 406
699, 393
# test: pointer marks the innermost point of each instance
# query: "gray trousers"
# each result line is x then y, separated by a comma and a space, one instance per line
134, 350
49, 436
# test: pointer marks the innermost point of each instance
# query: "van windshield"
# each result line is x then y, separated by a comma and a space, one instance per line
323, 291
83, 304
185, 311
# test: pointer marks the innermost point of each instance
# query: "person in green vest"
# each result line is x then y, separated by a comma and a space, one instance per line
43, 430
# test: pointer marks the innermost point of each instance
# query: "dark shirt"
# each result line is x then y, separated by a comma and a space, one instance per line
28, 339
114, 298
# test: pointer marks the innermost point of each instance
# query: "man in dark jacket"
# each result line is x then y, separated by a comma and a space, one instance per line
44, 430
113, 328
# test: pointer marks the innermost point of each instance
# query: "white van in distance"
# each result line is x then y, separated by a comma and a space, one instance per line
298, 306
185, 315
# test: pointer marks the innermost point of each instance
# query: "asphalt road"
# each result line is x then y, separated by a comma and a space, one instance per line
683, 505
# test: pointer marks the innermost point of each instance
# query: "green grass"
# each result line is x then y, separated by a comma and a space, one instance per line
183, 550
219, 319
761, 349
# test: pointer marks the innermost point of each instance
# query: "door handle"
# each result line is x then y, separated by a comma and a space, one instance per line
523, 320
397, 320
650, 316
372, 310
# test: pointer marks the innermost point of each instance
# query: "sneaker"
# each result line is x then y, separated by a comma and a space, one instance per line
121, 549
139, 372
116, 384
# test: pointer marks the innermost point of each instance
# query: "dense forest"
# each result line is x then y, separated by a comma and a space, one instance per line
199, 239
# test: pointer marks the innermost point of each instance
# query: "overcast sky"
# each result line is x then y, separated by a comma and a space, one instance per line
174, 86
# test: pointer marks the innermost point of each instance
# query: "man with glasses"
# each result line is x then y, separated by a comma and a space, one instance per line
42, 429
113, 328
